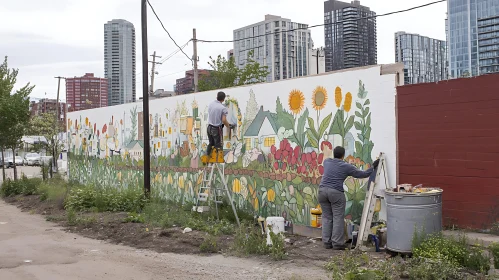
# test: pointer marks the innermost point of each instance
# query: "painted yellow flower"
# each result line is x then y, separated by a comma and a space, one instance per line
236, 186
228, 145
169, 179
338, 97
158, 178
319, 98
271, 195
181, 182
86, 121
200, 179
119, 176
296, 101
204, 146
256, 205
348, 102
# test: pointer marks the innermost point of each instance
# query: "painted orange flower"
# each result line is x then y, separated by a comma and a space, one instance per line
271, 195
338, 97
86, 121
296, 101
256, 204
348, 102
319, 98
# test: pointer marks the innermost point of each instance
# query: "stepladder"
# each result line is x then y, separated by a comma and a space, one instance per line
214, 186
373, 193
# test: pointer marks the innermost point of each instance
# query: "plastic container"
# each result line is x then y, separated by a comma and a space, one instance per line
277, 226
316, 217
408, 212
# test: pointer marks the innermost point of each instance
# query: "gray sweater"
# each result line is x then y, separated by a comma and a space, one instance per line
336, 171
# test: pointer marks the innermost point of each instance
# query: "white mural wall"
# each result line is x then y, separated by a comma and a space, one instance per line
275, 158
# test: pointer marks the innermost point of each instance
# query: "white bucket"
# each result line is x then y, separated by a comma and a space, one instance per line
277, 225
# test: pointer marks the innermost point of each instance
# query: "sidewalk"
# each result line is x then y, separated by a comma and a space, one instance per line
475, 237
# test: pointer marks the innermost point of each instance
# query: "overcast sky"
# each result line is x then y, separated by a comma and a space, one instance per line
49, 38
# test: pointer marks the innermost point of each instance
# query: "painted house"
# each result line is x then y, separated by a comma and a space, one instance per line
262, 132
135, 149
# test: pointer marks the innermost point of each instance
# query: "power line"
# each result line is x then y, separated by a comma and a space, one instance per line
154, 12
175, 52
324, 24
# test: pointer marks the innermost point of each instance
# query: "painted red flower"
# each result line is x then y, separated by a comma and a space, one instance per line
276, 165
278, 154
309, 158
303, 158
321, 158
104, 128
326, 143
95, 127
314, 155
321, 170
293, 161
284, 165
285, 154
273, 149
297, 151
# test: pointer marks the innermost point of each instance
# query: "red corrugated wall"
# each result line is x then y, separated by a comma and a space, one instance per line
448, 137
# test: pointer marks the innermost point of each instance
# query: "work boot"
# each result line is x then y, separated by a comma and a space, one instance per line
328, 246
339, 247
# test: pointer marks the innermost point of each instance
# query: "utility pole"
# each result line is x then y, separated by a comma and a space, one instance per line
145, 101
153, 70
318, 55
56, 122
195, 59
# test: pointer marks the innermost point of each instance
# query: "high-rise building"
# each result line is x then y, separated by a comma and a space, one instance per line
87, 92
470, 25
424, 58
316, 61
230, 54
349, 34
488, 44
119, 61
278, 43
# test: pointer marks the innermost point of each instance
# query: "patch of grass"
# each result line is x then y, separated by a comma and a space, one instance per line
277, 250
54, 191
432, 269
249, 240
209, 244
55, 218
134, 218
494, 250
453, 250
71, 217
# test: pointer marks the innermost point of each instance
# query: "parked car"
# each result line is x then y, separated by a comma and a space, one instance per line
8, 162
32, 159
19, 161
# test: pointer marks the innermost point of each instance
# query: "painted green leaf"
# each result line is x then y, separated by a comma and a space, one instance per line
358, 114
337, 127
324, 125
349, 124
358, 105
310, 200
308, 190
366, 112
348, 207
297, 180
312, 139
292, 201
358, 149
299, 198
292, 213
311, 127
367, 102
284, 118
358, 126
300, 129
367, 135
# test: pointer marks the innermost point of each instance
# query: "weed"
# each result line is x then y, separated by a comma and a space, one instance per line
432, 269
55, 218
54, 191
71, 217
209, 245
134, 218
494, 250
277, 250
23, 186
249, 240
452, 250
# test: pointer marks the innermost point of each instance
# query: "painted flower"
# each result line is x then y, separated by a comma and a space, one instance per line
204, 146
236, 186
338, 97
244, 187
119, 176
200, 179
348, 102
291, 189
271, 195
256, 204
319, 98
181, 182
158, 178
296, 101
86, 121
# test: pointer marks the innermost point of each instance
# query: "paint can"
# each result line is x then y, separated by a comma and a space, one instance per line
316, 217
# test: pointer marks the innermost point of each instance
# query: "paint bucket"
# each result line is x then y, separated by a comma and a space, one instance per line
316, 217
277, 226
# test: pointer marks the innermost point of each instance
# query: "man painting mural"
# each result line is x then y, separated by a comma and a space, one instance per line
332, 198
217, 118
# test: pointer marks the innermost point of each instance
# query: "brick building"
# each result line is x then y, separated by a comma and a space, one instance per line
46, 105
87, 92
186, 85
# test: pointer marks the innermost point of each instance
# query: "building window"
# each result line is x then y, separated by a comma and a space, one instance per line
269, 141
248, 143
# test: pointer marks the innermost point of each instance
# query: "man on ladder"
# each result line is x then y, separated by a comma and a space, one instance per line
217, 118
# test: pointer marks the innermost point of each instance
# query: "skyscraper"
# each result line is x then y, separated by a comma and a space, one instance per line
424, 58
473, 40
119, 61
87, 92
285, 53
350, 35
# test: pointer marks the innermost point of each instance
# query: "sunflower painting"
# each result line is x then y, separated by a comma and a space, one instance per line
319, 98
296, 101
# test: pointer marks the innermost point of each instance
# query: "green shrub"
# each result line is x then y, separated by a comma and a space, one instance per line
494, 250
134, 218
11, 188
105, 199
54, 191
432, 269
249, 240
209, 245
452, 250
23, 186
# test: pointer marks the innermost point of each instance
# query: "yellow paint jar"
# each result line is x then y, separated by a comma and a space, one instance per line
377, 206
316, 217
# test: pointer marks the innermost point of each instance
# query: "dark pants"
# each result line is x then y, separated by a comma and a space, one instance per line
215, 135
333, 204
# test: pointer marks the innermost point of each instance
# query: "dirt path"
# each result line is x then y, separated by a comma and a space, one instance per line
31, 248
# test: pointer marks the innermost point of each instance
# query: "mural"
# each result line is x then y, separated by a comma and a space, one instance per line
273, 161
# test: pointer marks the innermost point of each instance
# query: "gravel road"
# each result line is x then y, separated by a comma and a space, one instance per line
32, 248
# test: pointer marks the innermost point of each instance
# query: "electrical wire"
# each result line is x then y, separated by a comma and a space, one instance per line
175, 52
152, 8
324, 24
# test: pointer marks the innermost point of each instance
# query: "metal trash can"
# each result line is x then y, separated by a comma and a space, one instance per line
407, 212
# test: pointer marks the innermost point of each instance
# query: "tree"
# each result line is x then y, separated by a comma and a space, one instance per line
43, 125
14, 111
226, 74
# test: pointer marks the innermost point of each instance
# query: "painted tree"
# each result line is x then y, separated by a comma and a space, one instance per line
227, 74
14, 111
251, 111
364, 146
